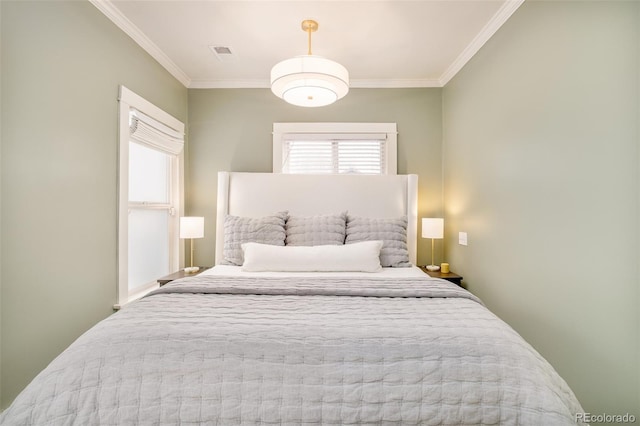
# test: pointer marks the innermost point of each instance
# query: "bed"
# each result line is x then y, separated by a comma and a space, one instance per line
278, 344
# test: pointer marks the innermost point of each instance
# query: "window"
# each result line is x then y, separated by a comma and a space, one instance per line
150, 195
303, 154
362, 148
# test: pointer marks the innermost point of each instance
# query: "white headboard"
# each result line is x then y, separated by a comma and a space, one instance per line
260, 194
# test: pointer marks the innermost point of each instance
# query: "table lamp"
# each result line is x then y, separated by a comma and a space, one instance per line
432, 228
191, 227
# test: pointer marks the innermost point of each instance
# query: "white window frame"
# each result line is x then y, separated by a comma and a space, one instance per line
281, 130
129, 100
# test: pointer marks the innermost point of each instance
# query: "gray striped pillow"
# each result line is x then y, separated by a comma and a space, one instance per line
316, 230
393, 233
239, 230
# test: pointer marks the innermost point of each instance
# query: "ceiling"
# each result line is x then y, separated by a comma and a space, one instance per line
383, 43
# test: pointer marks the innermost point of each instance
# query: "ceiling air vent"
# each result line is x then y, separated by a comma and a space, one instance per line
223, 53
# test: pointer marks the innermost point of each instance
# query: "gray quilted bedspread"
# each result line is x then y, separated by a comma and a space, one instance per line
229, 351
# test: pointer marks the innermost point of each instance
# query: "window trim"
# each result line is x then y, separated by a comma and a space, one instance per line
281, 130
129, 100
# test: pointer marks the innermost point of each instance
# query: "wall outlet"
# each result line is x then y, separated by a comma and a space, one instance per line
462, 238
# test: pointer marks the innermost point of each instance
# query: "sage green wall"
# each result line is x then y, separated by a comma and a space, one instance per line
542, 170
62, 62
231, 130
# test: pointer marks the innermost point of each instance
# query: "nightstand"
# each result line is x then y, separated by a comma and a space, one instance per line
454, 278
180, 274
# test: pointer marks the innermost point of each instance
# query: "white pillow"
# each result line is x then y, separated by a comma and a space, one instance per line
357, 257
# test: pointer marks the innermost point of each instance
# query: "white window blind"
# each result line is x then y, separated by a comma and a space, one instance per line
335, 148
362, 154
151, 132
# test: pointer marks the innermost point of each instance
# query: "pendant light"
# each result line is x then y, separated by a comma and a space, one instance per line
309, 80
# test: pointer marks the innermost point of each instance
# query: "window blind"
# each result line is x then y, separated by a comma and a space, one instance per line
356, 154
148, 131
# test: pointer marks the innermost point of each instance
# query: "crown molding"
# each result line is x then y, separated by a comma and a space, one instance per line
394, 83
230, 84
122, 22
354, 84
494, 24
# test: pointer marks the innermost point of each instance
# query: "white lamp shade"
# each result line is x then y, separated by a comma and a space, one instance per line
191, 227
432, 228
309, 81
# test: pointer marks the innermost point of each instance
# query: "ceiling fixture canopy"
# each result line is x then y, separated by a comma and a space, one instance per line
309, 80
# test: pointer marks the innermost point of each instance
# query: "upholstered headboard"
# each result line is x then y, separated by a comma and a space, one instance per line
260, 194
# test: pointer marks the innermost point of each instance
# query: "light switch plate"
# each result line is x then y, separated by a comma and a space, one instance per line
462, 238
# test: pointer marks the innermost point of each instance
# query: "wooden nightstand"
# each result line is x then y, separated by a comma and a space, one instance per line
180, 274
454, 278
